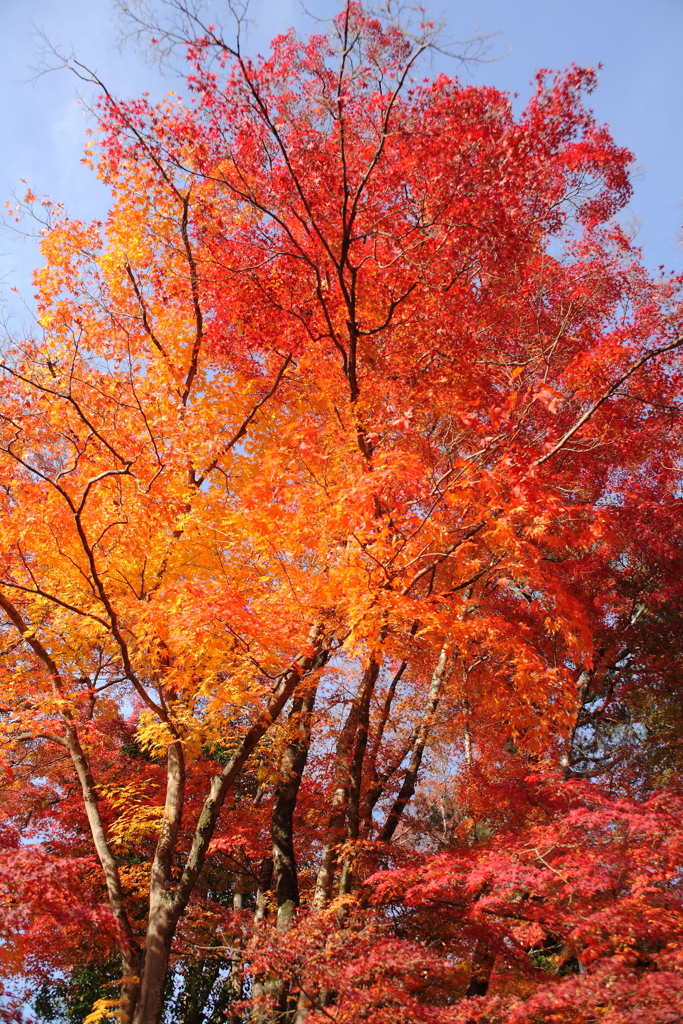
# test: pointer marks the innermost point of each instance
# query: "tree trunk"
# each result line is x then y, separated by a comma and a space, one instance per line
335, 826
355, 781
384, 718
582, 687
199, 982
293, 765
265, 882
482, 965
163, 915
382, 724
410, 779
271, 991
377, 788
160, 932
235, 983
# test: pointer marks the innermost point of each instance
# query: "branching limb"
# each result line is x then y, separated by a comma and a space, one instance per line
590, 412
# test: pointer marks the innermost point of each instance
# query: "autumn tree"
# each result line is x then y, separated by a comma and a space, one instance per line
340, 460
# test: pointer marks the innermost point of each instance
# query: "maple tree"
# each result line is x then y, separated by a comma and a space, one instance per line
343, 458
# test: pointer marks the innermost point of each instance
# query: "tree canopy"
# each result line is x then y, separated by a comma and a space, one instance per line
341, 558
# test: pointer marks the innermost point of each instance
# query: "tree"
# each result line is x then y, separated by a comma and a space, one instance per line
332, 460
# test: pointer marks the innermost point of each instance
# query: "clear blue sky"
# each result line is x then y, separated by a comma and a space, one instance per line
638, 42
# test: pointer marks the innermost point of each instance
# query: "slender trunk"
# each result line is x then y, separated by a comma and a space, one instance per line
375, 791
270, 992
335, 826
235, 982
377, 782
482, 965
163, 915
467, 735
198, 984
238, 894
356, 774
355, 780
235, 992
410, 779
303, 1007
384, 718
582, 686
262, 985
265, 882
293, 765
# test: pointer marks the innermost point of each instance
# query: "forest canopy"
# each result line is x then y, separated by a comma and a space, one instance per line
341, 547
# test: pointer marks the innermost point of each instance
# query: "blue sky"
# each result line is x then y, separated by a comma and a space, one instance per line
638, 42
